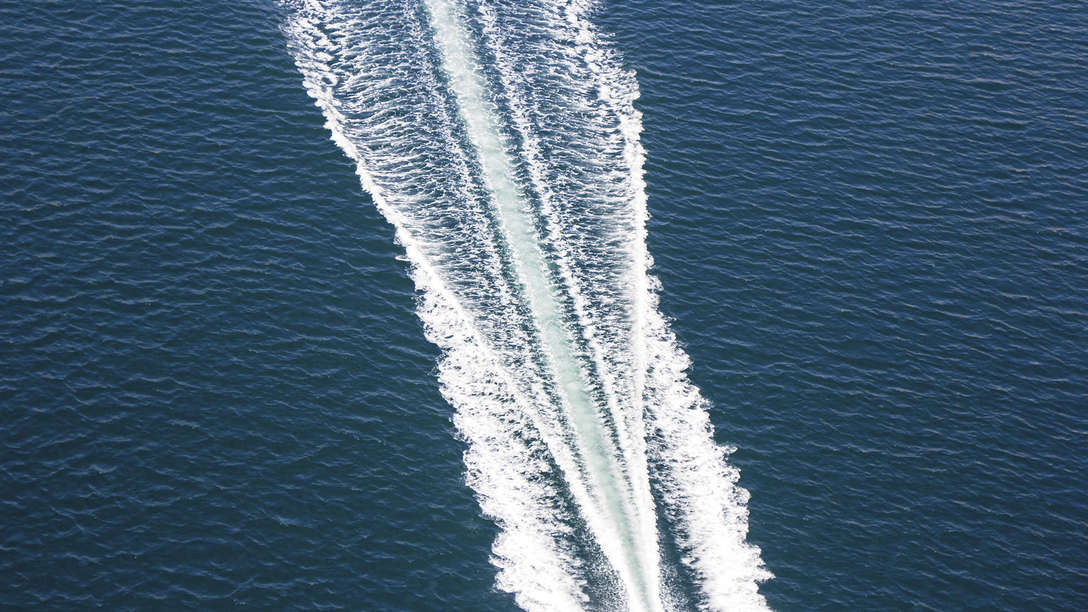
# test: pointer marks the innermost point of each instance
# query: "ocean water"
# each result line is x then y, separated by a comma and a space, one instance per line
350, 305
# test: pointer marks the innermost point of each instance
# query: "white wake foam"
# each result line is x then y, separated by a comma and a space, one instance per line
500, 140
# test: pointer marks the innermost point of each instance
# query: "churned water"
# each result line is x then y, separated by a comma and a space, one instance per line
480, 305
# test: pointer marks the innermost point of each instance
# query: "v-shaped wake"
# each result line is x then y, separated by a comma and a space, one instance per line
501, 142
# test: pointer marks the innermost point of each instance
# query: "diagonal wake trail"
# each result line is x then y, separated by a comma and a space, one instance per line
500, 140
634, 559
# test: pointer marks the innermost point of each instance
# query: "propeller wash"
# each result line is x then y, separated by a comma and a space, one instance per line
501, 142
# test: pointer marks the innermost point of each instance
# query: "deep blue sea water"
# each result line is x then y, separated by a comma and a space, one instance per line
869, 221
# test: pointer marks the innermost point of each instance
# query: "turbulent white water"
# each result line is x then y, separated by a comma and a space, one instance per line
500, 140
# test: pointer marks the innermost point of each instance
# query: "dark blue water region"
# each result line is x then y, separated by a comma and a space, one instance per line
869, 219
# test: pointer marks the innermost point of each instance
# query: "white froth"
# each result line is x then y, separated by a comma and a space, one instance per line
516, 189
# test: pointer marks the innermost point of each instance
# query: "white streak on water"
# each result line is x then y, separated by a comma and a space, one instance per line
558, 363
609, 510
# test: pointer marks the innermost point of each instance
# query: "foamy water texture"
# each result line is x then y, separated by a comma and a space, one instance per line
501, 142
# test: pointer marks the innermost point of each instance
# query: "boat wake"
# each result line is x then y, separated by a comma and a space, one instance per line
499, 138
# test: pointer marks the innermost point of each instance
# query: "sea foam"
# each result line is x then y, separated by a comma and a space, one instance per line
501, 142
